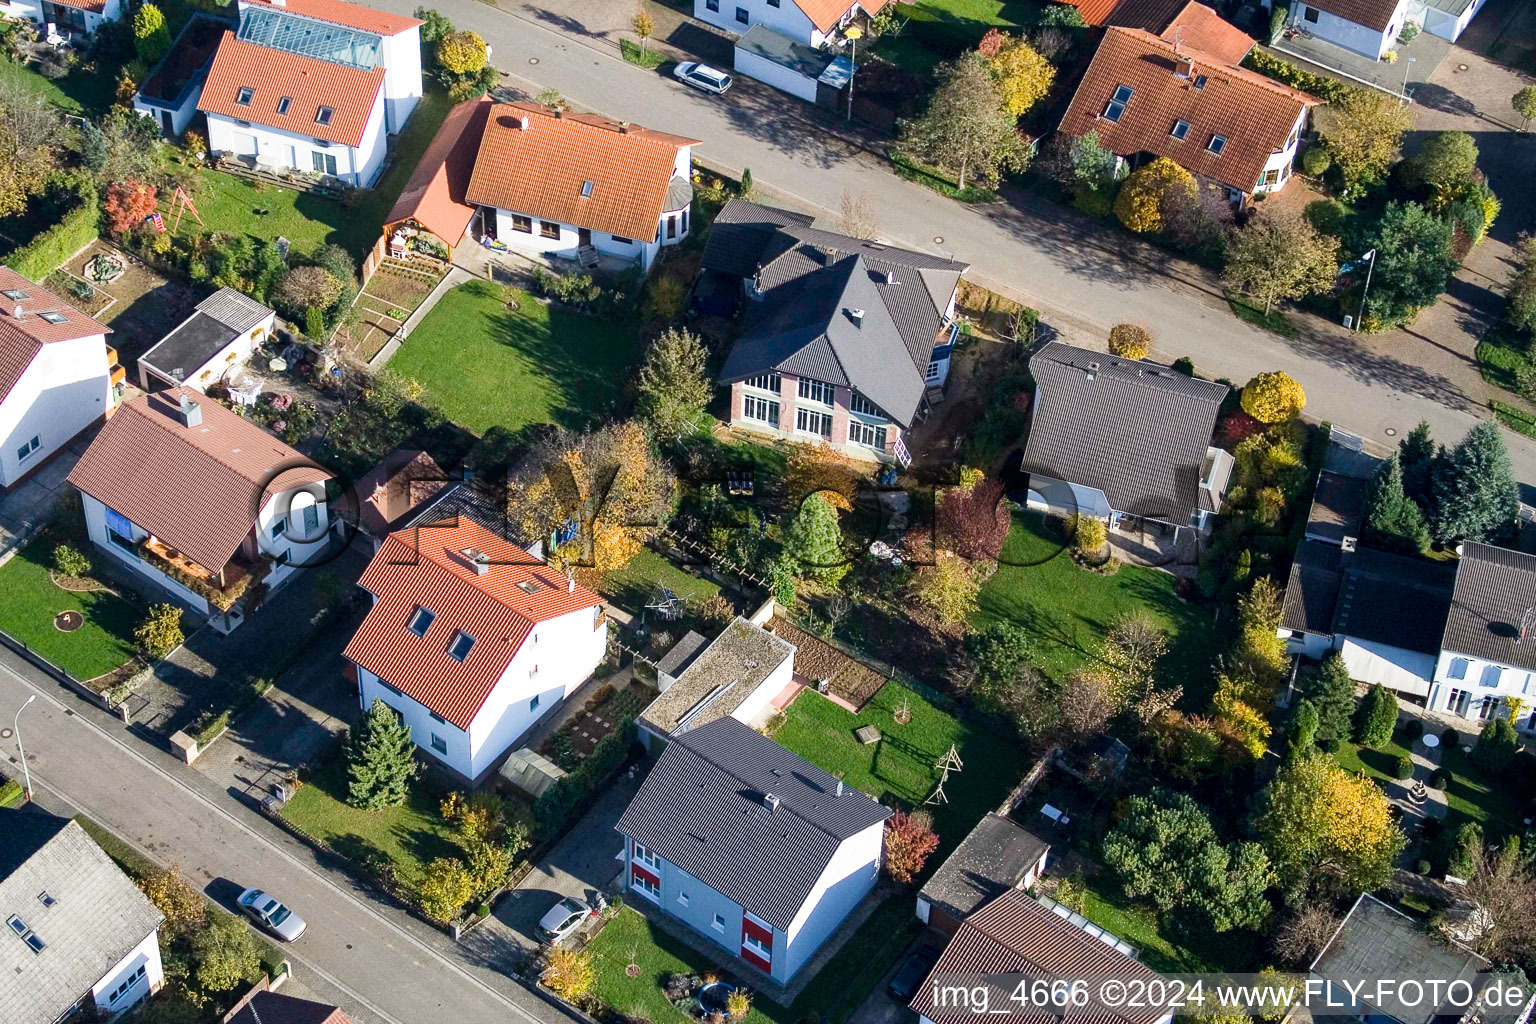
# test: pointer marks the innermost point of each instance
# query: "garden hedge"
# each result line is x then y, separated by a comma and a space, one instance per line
74, 231
1321, 86
11, 793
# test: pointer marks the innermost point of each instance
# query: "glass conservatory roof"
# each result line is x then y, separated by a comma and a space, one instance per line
333, 43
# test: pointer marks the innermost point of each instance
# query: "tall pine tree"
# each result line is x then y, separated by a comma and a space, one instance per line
381, 763
1393, 522
816, 540
1332, 694
1476, 497
1417, 454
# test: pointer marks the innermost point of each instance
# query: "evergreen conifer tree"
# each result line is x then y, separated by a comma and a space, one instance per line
1393, 522
1332, 693
1377, 717
1475, 494
1417, 454
381, 763
815, 538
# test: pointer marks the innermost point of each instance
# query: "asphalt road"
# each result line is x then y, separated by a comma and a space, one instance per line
377, 962
1086, 278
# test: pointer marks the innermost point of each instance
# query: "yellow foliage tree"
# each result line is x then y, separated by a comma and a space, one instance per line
949, 587
462, 52
1273, 397
1238, 718
1145, 193
1130, 341
1023, 76
569, 973
817, 467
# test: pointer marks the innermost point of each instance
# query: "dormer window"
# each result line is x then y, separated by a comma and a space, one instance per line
1200, 81
54, 318
1217, 144
323, 115
283, 104
586, 190
528, 586
1116, 105
243, 97
458, 649
1180, 129
15, 294
420, 621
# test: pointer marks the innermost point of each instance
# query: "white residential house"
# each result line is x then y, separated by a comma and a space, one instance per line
210, 503
751, 846
1488, 649
80, 938
1372, 27
813, 22
208, 346
578, 186
471, 640
315, 86
65, 18
58, 376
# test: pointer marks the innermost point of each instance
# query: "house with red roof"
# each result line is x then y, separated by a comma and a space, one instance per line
315, 86
58, 376
544, 181
812, 22
1183, 96
203, 503
471, 640
65, 18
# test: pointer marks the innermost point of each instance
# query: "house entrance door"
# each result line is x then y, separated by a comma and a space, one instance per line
487, 223
583, 236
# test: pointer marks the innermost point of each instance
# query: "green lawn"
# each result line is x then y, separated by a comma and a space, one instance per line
899, 768
1471, 795
1068, 610
29, 601
1250, 312
1140, 927
486, 366
629, 586
411, 836
228, 203
938, 30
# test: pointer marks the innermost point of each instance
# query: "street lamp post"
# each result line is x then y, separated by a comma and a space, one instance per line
1360, 315
16, 722
852, 33
1407, 66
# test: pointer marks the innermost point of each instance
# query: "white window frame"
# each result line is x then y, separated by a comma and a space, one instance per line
29, 449
864, 407
682, 898
933, 373
770, 382
803, 417
648, 857
718, 924
817, 391
1217, 144
751, 405
439, 744
876, 439
645, 888
752, 942
1175, 132
126, 984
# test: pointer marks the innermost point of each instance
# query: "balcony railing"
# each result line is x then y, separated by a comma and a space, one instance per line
199, 578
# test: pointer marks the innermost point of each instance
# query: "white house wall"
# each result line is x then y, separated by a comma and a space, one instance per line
276, 148
786, 19
568, 241
1309, 645
1475, 675
1393, 667
280, 532
65, 389
145, 954
401, 56
1351, 35
233, 355
848, 878
776, 75
1283, 160
749, 711
1066, 499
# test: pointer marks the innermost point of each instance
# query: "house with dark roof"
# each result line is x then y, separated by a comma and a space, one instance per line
1148, 95
1488, 646
58, 376
472, 640
997, 856
549, 182
210, 345
1016, 934
203, 502
812, 22
737, 675
79, 935
1113, 437
843, 339
750, 845
314, 87
268, 1007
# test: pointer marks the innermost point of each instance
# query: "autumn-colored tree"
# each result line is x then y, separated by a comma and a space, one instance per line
857, 216
1503, 885
819, 467
644, 26
1273, 397
569, 973
1130, 341
445, 887
461, 52
151, 38
967, 129
1241, 713
1129, 656
950, 586
159, 632
1150, 192
1280, 256
610, 484
127, 203
1089, 535
1326, 830
31, 135
226, 954
1022, 75
1524, 103
184, 908
1363, 130
1260, 647
974, 521
303, 287
909, 839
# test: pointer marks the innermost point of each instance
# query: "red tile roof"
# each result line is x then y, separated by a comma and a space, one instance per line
93, 6
1198, 27
196, 488
539, 170
1254, 113
308, 83
366, 19
405, 480
435, 195
826, 13
423, 566
24, 332
1094, 12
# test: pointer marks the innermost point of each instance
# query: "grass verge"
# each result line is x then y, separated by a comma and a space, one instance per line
644, 58
1250, 313
933, 178
1518, 420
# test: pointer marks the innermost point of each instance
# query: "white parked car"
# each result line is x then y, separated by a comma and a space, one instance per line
702, 76
563, 918
272, 915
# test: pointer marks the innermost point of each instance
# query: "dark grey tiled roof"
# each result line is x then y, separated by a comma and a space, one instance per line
1377, 941
994, 858
764, 42
97, 916
1135, 430
1338, 507
810, 280
1391, 599
1312, 592
702, 808
275, 1008
1494, 587
720, 679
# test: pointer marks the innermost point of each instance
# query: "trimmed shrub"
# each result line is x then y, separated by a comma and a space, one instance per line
1129, 341
1421, 866
1450, 738
560, 801
1412, 730
1404, 768
1439, 779
1316, 160
1376, 718
73, 232
70, 561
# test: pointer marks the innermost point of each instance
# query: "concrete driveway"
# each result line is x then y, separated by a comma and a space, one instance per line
581, 865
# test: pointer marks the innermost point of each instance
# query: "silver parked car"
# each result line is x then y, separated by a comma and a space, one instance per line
702, 76
563, 918
272, 915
